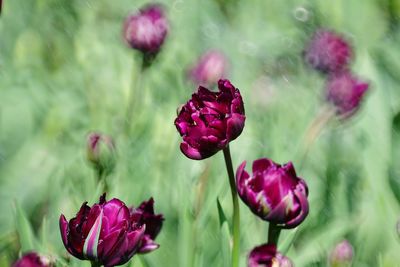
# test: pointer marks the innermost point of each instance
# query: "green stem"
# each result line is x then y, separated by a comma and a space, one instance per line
273, 234
133, 95
314, 130
95, 264
102, 178
236, 211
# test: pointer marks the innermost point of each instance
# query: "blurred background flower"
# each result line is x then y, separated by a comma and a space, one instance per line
345, 92
209, 68
32, 259
328, 52
100, 152
147, 29
341, 255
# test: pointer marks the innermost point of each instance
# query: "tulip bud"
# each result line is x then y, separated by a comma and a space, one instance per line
210, 120
147, 29
341, 255
266, 255
274, 192
328, 52
101, 152
209, 69
108, 233
32, 259
345, 92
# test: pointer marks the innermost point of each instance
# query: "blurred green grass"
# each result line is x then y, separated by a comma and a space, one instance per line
64, 71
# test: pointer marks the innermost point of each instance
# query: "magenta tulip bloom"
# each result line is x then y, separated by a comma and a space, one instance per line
147, 29
145, 215
106, 233
328, 52
210, 120
209, 69
33, 259
274, 192
345, 92
267, 256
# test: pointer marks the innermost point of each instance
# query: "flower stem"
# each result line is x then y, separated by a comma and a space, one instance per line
236, 211
314, 130
102, 178
273, 234
133, 95
95, 264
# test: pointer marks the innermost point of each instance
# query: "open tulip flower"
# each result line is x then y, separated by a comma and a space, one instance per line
145, 215
210, 120
274, 192
267, 255
109, 233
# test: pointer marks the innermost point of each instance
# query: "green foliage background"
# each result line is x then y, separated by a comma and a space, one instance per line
65, 71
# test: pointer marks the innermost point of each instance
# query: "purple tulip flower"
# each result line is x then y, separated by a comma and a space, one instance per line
107, 233
210, 120
328, 52
145, 215
345, 92
209, 69
32, 259
147, 29
266, 255
274, 192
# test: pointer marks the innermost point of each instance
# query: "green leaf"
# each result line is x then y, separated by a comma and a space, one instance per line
396, 124
221, 214
285, 245
226, 246
225, 237
394, 170
44, 231
24, 230
186, 245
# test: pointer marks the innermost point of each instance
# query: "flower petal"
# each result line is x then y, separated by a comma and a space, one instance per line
190, 152
148, 245
92, 240
241, 177
263, 164
235, 125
